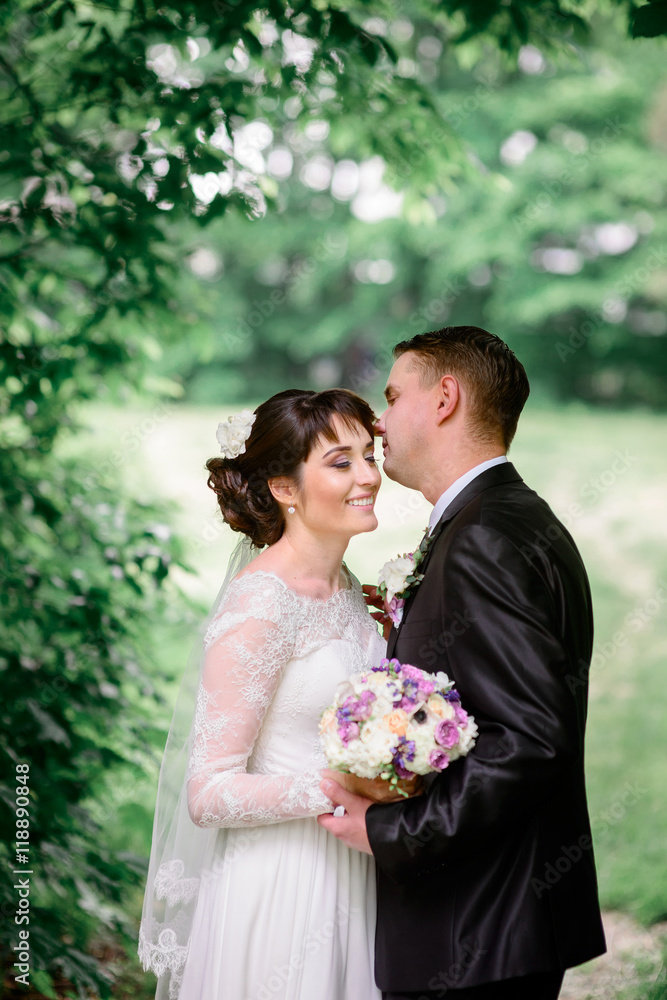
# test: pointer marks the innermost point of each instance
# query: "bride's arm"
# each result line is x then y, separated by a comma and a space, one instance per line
242, 670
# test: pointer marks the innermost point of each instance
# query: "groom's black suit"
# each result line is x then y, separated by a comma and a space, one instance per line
490, 875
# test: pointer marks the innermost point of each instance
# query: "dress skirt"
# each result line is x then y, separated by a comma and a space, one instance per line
285, 912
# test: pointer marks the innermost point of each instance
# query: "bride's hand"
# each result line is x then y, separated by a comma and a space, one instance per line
373, 600
377, 789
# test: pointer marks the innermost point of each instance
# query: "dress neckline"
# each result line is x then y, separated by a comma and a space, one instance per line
302, 597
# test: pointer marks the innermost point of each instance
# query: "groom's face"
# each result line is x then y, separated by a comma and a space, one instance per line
405, 423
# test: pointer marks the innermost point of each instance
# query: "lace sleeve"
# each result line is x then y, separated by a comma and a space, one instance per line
243, 665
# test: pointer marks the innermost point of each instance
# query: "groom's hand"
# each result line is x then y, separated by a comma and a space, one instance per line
373, 600
350, 828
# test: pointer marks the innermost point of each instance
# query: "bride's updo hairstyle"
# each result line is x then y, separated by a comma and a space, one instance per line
286, 428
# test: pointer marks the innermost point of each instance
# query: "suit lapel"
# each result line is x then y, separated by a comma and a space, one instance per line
495, 476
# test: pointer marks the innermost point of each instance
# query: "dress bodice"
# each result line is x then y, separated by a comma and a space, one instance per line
273, 658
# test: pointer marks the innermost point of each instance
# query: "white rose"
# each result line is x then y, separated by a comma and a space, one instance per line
394, 573
334, 750
358, 763
378, 743
439, 707
383, 688
468, 736
364, 770
424, 740
232, 436
442, 681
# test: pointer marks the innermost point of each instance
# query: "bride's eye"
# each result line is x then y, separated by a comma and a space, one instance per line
372, 459
340, 465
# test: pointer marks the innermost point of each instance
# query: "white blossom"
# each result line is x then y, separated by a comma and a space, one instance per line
232, 436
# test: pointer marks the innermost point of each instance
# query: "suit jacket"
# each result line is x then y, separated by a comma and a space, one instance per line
491, 874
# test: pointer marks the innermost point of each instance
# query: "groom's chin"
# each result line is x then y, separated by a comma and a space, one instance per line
390, 472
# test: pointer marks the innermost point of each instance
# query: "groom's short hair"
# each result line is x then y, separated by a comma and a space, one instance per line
494, 378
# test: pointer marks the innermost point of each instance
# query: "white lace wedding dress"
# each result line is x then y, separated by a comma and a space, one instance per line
285, 911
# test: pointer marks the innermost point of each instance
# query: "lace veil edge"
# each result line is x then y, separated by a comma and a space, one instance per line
180, 850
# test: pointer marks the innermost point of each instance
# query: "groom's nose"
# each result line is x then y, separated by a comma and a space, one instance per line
378, 426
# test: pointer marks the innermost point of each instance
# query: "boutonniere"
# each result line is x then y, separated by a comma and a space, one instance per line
398, 576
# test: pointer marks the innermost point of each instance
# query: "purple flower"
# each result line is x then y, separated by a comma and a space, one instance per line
356, 709
402, 754
453, 695
411, 692
438, 760
387, 666
446, 733
348, 731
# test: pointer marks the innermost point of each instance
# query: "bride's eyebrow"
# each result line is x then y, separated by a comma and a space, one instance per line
345, 447
339, 447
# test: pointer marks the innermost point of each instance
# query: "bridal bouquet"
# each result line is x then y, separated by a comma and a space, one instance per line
395, 721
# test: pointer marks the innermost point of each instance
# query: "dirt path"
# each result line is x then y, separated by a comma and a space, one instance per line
633, 953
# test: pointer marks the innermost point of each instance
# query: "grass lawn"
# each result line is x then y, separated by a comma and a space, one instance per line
605, 475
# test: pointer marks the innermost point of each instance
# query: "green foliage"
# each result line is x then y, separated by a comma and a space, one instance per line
558, 245
81, 569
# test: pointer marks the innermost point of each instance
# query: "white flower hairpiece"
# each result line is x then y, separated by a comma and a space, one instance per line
233, 435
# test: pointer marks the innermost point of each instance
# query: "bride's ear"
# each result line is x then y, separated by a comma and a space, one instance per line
282, 490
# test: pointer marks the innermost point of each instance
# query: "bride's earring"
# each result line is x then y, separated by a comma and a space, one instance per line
290, 509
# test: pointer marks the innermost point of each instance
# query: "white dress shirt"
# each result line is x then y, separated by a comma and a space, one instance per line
453, 491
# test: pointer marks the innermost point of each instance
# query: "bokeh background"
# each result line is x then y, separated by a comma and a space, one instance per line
203, 205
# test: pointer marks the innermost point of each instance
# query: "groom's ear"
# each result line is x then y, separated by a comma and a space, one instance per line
282, 489
449, 394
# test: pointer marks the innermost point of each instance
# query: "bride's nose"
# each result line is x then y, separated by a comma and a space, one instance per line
367, 474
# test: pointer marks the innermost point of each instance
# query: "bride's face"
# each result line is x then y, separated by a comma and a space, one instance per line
339, 483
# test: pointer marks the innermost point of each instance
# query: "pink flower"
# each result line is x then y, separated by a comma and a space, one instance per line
461, 715
348, 731
356, 709
395, 604
446, 733
438, 760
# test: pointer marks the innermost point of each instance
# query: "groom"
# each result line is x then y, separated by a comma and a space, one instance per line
486, 883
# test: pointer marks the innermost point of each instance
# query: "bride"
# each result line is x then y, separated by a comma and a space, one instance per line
247, 896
